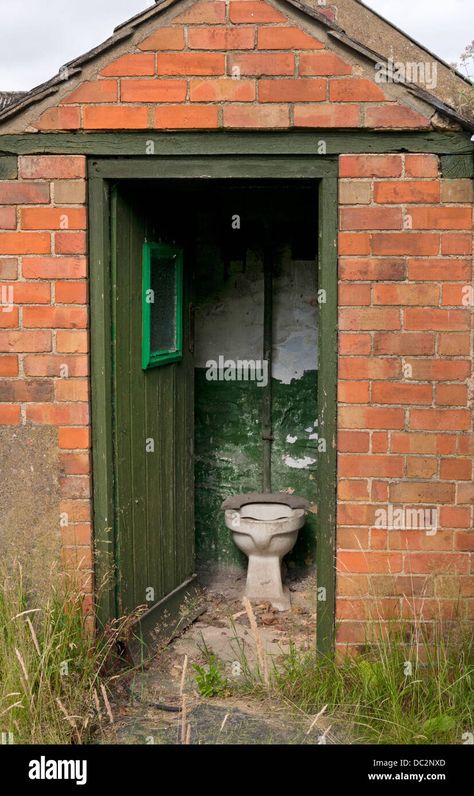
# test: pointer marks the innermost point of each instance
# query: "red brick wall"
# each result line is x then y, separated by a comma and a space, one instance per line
44, 341
405, 390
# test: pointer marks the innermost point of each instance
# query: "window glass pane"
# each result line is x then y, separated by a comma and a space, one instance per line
163, 282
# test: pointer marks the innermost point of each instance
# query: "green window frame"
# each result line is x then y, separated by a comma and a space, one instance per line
154, 256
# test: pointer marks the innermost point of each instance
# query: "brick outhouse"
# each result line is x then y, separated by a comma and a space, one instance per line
206, 134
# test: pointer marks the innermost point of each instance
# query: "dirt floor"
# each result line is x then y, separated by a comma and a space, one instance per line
162, 705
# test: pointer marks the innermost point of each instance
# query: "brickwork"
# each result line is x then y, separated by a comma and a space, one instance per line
44, 361
237, 65
405, 392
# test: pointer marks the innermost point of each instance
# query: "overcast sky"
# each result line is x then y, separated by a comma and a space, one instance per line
39, 36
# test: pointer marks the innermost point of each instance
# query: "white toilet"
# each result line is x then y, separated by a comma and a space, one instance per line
265, 527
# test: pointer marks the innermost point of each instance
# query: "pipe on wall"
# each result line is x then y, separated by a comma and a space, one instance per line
267, 436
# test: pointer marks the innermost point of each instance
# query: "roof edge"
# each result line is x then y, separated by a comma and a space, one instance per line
145, 15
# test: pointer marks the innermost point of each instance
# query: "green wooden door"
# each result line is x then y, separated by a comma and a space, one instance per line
153, 434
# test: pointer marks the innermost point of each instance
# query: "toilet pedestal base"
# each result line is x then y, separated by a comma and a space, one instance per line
264, 582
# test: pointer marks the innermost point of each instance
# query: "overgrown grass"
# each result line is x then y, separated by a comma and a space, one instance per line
393, 693
51, 689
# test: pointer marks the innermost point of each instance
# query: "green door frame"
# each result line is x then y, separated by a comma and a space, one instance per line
102, 173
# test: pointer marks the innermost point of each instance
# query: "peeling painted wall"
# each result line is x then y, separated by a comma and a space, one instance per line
228, 448
229, 313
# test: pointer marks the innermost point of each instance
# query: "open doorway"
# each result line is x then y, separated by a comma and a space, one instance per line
181, 431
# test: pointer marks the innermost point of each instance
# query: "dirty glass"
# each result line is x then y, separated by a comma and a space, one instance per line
163, 309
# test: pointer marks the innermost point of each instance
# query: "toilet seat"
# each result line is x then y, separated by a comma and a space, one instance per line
236, 502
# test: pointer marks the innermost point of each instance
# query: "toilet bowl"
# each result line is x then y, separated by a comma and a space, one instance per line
265, 527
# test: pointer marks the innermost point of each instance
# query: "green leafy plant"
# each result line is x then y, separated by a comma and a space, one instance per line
438, 726
210, 678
